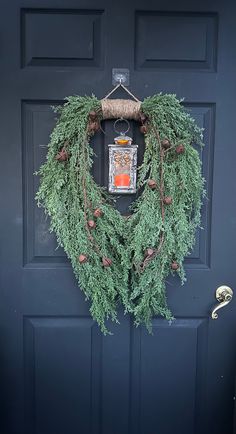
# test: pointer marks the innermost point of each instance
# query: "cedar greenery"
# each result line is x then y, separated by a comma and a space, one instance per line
70, 195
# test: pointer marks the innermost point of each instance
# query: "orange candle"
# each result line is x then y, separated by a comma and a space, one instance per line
122, 142
122, 180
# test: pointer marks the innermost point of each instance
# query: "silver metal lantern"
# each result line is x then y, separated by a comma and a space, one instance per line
122, 165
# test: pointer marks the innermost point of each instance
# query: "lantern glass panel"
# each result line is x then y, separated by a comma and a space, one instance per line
122, 168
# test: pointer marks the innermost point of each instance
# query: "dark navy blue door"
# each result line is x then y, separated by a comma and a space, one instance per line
58, 374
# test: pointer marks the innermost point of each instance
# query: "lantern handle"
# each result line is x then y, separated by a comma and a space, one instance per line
121, 120
124, 88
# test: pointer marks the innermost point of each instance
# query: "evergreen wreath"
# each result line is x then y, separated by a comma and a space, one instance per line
118, 259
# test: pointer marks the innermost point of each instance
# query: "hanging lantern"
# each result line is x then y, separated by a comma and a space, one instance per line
122, 163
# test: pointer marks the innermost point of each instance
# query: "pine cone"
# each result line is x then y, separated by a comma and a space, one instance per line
167, 200
165, 143
94, 127
62, 155
143, 129
152, 183
180, 149
106, 262
82, 258
143, 117
149, 252
98, 212
174, 265
91, 224
93, 115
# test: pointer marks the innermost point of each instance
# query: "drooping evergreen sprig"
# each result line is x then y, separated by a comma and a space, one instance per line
107, 250
167, 229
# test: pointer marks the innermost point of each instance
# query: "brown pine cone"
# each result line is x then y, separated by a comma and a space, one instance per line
62, 155
106, 262
152, 183
167, 200
94, 127
82, 258
93, 115
98, 212
91, 224
180, 149
143, 117
149, 252
143, 129
174, 265
165, 143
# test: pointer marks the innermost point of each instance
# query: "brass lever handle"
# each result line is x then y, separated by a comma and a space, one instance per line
224, 295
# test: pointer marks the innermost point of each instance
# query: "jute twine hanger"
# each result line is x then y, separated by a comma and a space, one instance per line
121, 108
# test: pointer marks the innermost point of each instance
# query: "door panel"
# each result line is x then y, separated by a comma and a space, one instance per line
180, 390
58, 373
49, 374
189, 40
62, 30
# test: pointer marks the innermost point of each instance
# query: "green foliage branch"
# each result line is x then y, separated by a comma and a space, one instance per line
116, 267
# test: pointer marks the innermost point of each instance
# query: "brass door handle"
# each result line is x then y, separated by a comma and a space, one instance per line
224, 295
